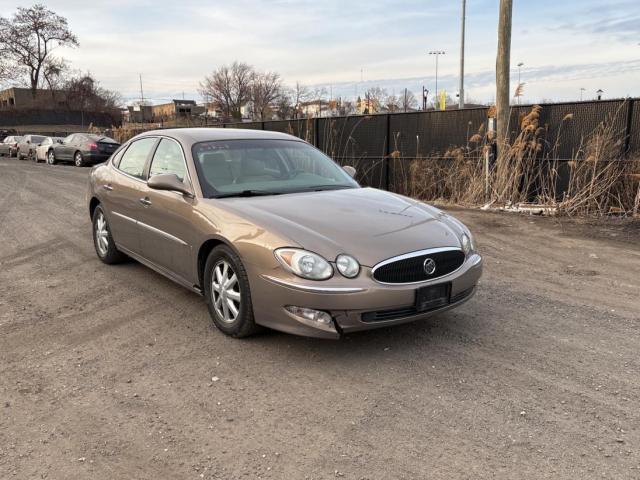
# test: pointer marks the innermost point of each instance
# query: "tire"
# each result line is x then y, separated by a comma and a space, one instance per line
242, 324
51, 157
78, 160
106, 249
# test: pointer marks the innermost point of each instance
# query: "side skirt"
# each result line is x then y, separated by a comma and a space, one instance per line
161, 270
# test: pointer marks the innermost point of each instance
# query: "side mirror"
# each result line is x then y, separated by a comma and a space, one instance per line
170, 182
350, 170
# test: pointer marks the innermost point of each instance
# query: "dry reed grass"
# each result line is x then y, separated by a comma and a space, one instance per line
599, 179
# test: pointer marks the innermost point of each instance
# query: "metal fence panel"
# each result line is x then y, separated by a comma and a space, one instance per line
301, 128
634, 128
353, 137
429, 134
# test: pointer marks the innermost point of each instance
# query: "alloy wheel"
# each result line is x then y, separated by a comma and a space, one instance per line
78, 159
225, 289
51, 158
102, 235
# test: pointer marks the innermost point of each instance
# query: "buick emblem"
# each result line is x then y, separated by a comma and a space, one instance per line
429, 266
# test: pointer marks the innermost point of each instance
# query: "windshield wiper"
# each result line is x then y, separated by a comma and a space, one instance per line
247, 193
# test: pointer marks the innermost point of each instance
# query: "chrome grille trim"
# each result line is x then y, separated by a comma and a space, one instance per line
417, 253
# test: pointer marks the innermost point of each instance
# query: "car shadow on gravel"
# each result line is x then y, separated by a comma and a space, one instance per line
445, 331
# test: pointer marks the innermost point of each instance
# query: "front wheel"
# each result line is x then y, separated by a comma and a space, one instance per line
227, 293
51, 158
78, 160
103, 240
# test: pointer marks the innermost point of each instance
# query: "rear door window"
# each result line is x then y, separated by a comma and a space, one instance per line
135, 157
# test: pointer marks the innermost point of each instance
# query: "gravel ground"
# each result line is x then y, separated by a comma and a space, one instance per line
115, 372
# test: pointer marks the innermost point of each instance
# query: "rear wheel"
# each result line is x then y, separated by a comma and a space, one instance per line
103, 241
78, 160
51, 158
227, 293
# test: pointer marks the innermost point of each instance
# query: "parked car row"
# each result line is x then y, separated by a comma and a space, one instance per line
78, 148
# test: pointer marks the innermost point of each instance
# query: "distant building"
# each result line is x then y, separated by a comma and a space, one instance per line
176, 109
20, 98
319, 108
165, 112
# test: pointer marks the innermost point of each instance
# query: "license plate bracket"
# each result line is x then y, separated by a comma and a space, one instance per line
433, 296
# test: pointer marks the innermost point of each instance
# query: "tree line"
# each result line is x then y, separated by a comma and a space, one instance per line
240, 90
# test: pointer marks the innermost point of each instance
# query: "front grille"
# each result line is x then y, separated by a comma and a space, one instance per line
403, 312
411, 269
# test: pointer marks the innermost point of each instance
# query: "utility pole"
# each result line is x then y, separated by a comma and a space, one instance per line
461, 102
437, 53
502, 72
141, 100
582, 89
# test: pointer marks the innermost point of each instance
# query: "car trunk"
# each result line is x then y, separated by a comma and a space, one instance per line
107, 147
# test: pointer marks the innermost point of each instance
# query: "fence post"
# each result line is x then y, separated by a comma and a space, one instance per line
316, 132
627, 136
262, 125
387, 154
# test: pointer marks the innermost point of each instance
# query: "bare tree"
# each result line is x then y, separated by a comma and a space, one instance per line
300, 95
229, 88
28, 39
392, 103
266, 88
284, 107
85, 93
408, 101
502, 71
374, 98
54, 71
346, 107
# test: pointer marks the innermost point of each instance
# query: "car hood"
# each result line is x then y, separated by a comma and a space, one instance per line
370, 224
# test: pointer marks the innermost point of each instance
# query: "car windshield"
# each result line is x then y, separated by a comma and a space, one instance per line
264, 167
36, 139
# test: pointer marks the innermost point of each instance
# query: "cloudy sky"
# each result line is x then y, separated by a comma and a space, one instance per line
564, 45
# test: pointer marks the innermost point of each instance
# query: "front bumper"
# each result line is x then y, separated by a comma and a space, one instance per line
352, 303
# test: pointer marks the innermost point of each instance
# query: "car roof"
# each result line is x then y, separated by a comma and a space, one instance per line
195, 135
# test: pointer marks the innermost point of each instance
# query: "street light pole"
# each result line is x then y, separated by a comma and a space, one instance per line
582, 89
437, 53
461, 93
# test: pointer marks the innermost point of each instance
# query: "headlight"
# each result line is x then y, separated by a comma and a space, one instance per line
304, 264
347, 265
467, 243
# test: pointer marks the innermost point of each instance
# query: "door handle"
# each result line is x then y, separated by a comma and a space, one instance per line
145, 201
107, 187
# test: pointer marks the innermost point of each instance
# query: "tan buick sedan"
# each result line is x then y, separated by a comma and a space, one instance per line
273, 233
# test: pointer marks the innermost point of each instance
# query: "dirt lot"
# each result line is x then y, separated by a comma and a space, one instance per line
108, 372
